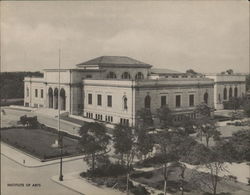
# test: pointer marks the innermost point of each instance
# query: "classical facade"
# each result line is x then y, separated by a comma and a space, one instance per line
227, 86
113, 88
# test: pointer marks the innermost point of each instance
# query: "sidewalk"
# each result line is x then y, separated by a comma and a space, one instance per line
27, 160
74, 182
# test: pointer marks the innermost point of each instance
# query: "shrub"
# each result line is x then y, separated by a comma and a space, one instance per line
139, 190
109, 170
147, 175
110, 182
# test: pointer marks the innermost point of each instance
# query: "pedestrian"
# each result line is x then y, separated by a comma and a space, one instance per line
23, 161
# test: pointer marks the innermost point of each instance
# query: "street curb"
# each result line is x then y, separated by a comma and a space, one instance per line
59, 183
34, 166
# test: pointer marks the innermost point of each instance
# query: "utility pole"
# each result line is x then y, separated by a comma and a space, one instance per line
60, 138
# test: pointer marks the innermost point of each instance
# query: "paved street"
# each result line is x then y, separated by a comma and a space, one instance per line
13, 173
12, 116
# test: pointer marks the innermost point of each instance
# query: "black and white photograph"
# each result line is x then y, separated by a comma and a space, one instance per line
125, 97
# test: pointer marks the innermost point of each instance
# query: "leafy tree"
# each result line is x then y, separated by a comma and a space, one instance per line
246, 107
145, 142
12, 85
233, 103
30, 122
215, 164
248, 82
23, 120
209, 130
240, 142
145, 117
168, 143
188, 124
94, 140
165, 115
191, 71
229, 71
125, 145
203, 112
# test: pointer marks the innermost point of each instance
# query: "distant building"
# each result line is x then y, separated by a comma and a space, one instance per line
227, 86
113, 88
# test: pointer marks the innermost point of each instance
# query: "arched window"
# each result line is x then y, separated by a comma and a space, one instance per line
206, 98
27, 92
126, 75
62, 99
139, 76
235, 92
125, 103
50, 93
147, 101
55, 98
225, 93
230, 92
111, 75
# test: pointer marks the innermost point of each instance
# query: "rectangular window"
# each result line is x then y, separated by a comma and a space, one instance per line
163, 101
41, 93
109, 101
89, 98
178, 101
191, 100
99, 100
36, 93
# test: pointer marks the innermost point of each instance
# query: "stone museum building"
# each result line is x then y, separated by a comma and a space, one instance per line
113, 88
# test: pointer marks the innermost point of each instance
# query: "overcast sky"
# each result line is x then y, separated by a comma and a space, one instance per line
207, 36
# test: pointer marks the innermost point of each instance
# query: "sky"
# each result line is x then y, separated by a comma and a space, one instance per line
207, 36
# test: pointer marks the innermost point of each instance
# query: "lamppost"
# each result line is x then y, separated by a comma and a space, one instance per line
60, 137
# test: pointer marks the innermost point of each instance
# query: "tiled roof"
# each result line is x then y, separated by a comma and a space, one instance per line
114, 61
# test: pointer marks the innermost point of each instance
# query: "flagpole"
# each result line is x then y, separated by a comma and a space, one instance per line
60, 138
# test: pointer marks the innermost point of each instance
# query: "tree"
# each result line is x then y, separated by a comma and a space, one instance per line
188, 124
23, 120
233, 103
191, 71
94, 140
145, 117
215, 164
145, 142
248, 82
165, 115
168, 142
209, 130
30, 122
203, 112
229, 71
246, 107
125, 145
240, 141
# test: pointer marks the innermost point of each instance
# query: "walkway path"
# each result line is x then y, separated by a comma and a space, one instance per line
74, 182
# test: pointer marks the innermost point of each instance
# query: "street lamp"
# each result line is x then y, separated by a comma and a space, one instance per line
60, 137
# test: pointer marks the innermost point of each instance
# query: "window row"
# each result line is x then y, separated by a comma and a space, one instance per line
178, 100
99, 117
230, 93
124, 122
181, 117
99, 100
36, 93
125, 75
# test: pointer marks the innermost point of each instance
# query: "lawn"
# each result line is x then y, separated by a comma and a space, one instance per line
194, 182
38, 142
